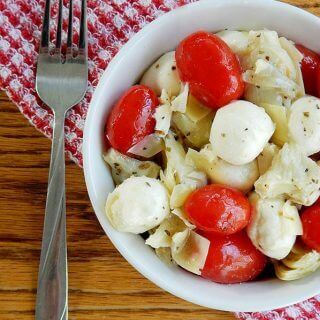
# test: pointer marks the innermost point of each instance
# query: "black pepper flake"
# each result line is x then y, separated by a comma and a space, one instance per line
246, 129
144, 148
259, 35
283, 104
318, 107
156, 218
223, 135
267, 58
148, 184
162, 117
188, 134
163, 208
272, 206
167, 232
134, 172
117, 173
116, 164
313, 180
306, 170
285, 97
173, 68
176, 138
304, 129
258, 87
306, 114
157, 66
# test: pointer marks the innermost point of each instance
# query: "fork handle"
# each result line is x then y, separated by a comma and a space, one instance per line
52, 292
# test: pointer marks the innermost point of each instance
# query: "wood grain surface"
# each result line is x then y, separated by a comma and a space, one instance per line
102, 285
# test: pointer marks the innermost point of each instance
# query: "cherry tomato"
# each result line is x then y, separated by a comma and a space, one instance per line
310, 67
217, 208
232, 259
131, 118
211, 69
310, 219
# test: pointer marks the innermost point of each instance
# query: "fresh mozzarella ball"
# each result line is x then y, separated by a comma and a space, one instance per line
240, 177
238, 41
137, 205
304, 124
273, 226
163, 74
240, 131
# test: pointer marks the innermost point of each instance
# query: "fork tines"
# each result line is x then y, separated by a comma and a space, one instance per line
45, 36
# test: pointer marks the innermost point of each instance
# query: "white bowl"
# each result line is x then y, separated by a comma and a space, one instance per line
125, 69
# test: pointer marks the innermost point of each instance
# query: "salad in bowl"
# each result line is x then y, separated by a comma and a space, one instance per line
214, 156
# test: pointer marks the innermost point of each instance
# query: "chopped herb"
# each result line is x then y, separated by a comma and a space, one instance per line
272, 206
223, 135
156, 218
148, 184
168, 149
163, 208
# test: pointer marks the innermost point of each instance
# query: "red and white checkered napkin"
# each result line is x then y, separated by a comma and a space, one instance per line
110, 24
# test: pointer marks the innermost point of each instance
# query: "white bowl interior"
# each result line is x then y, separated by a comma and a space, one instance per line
159, 37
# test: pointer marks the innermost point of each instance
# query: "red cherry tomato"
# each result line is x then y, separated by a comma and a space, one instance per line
310, 219
131, 118
217, 208
310, 67
232, 259
211, 69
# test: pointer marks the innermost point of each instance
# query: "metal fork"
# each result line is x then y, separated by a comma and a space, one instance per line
61, 83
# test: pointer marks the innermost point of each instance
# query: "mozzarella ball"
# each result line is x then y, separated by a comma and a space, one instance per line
163, 74
240, 177
240, 131
274, 226
238, 41
304, 124
137, 205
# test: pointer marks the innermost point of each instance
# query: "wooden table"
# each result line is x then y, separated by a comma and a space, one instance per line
102, 284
